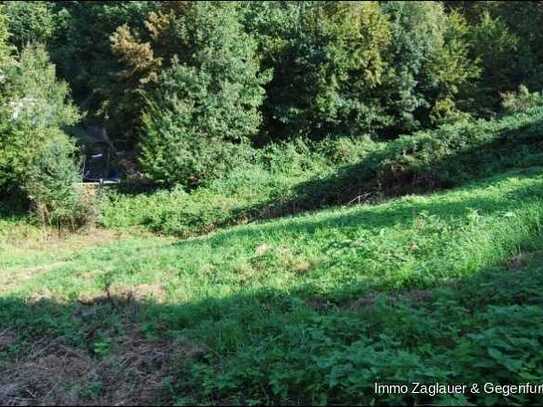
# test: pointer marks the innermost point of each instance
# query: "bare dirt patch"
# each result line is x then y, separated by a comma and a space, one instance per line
133, 373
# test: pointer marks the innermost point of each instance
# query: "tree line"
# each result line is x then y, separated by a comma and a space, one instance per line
192, 86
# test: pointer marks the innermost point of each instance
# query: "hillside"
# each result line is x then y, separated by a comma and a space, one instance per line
313, 308
271, 203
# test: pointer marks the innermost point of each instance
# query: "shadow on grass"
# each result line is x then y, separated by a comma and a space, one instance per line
275, 346
370, 181
375, 218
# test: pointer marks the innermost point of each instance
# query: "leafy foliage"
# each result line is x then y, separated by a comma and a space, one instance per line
206, 100
297, 176
81, 50
248, 189
176, 149
36, 157
327, 66
522, 100
495, 46
430, 63
4, 37
30, 22
357, 68
346, 68
427, 160
51, 182
524, 21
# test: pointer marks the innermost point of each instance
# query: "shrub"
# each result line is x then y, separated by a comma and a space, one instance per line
429, 64
353, 68
523, 64
4, 37
239, 194
521, 101
186, 138
51, 180
30, 22
346, 150
253, 177
427, 160
288, 177
327, 61
36, 156
342, 63
493, 44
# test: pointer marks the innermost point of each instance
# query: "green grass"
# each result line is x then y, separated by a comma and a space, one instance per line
297, 177
306, 309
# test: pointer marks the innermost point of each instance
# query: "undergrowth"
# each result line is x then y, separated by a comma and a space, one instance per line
296, 177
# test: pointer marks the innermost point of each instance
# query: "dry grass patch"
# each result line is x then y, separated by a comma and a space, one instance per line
133, 373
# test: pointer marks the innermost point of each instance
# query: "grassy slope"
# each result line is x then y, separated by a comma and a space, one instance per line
310, 308
296, 177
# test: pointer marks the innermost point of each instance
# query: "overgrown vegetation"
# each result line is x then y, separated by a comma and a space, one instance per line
37, 159
296, 177
312, 309
264, 175
318, 197
180, 82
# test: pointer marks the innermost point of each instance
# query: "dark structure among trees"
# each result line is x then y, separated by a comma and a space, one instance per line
98, 155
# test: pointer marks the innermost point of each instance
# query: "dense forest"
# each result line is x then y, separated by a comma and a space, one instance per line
307, 199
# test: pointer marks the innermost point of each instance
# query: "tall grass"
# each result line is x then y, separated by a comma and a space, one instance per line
296, 176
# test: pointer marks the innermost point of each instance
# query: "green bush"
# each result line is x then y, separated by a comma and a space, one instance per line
521, 101
30, 22
327, 62
51, 182
346, 150
289, 177
5, 48
522, 63
337, 64
429, 62
185, 135
36, 157
266, 174
360, 67
493, 44
426, 160
337, 68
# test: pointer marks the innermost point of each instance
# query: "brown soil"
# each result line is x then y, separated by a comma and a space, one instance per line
52, 373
